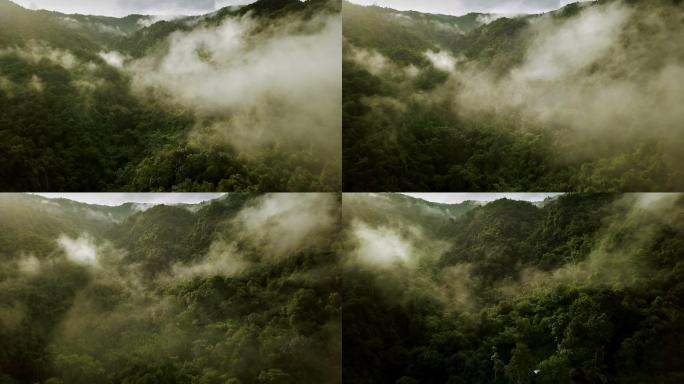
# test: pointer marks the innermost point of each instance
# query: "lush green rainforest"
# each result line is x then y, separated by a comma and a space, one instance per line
586, 98
579, 288
91, 103
242, 289
582, 288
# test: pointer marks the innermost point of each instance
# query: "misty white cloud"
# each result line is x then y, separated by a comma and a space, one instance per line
36, 51
456, 286
113, 58
81, 250
402, 254
567, 49
401, 240
223, 259
39, 52
253, 86
594, 73
654, 201
441, 60
381, 246
377, 64
371, 60
147, 21
489, 18
282, 223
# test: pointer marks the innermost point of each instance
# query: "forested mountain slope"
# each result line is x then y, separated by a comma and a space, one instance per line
584, 98
91, 103
242, 289
585, 289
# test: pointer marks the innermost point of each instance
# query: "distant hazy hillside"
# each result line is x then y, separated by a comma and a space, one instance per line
400, 35
379, 206
63, 30
144, 39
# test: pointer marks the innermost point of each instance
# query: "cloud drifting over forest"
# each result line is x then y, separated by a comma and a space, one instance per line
36, 51
275, 226
594, 73
252, 84
612, 73
410, 261
283, 223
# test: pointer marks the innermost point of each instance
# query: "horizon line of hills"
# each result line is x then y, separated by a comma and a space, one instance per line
259, 5
20, 18
375, 208
399, 195
133, 22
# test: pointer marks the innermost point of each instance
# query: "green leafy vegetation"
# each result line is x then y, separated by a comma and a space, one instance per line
242, 289
580, 99
581, 288
578, 288
76, 112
